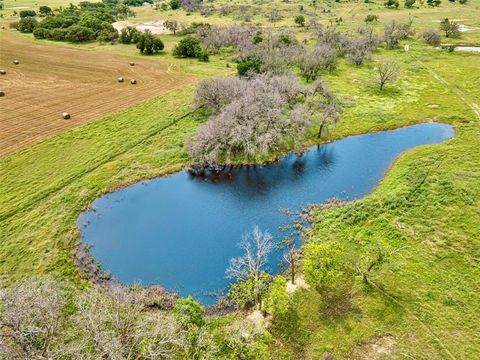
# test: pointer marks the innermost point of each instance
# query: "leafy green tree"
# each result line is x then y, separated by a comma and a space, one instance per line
128, 35
409, 3
248, 66
45, 10
392, 4
277, 300
27, 13
77, 33
300, 20
188, 312
249, 292
322, 264
27, 24
41, 33
149, 44
188, 47
174, 4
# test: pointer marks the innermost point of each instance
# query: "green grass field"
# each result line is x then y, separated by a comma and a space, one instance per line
428, 204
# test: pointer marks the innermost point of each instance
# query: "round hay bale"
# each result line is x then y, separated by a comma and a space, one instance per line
66, 115
120, 79
133, 81
16, 62
132, 63
3, 72
2, 93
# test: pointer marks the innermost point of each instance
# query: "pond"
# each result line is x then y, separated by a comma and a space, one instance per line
467, 48
180, 231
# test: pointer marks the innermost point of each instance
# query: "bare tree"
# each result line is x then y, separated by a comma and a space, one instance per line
387, 72
394, 32
257, 246
322, 57
30, 320
327, 106
251, 116
249, 270
111, 324
432, 37
172, 25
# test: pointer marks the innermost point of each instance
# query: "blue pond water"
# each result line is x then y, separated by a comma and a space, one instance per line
180, 231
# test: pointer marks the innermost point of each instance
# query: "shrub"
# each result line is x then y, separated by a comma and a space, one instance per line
27, 24
370, 18
14, 25
78, 33
248, 66
322, 264
27, 13
188, 312
188, 47
409, 3
149, 44
174, 4
58, 34
392, 4
41, 33
300, 20
432, 37
434, 2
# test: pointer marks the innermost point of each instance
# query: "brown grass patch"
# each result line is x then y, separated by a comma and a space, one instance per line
51, 80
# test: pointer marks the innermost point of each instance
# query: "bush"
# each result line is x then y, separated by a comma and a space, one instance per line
434, 2
107, 35
58, 34
409, 3
14, 25
392, 4
248, 66
174, 4
41, 33
27, 24
27, 13
188, 47
149, 44
300, 20
370, 18
432, 37
78, 33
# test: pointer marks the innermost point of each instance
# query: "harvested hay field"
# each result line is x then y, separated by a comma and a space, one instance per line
51, 80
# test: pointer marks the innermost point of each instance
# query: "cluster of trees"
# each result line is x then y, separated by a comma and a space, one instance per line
255, 115
146, 42
43, 319
85, 22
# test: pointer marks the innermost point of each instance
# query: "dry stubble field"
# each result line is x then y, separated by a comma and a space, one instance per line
51, 80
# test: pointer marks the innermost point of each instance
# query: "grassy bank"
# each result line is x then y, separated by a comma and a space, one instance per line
425, 303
